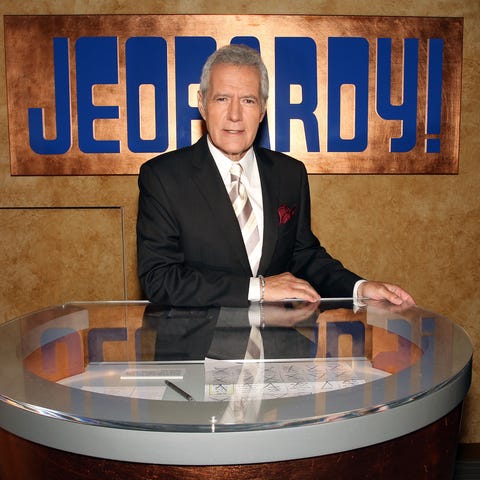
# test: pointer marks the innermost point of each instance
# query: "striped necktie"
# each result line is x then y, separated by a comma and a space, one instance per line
246, 217
255, 345
246, 399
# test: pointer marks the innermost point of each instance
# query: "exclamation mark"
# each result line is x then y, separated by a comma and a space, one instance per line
434, 95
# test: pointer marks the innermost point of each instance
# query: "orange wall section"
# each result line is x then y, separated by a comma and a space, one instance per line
421, 231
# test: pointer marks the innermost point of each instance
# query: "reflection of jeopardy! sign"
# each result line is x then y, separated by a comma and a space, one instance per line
101, 94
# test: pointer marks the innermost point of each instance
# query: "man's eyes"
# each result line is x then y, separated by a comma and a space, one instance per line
247, 101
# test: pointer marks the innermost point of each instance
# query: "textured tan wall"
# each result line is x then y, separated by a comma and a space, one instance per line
420, 231
55, 255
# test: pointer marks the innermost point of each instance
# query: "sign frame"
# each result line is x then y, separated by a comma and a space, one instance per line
31, 63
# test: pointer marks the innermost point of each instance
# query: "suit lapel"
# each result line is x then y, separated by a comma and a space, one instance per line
270, 201
210, 184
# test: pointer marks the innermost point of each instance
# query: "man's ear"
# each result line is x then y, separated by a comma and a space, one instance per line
201, 107
262, 115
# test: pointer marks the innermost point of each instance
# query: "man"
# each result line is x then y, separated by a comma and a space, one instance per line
190, 245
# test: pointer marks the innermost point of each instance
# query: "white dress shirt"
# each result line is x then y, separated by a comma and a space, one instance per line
251, 181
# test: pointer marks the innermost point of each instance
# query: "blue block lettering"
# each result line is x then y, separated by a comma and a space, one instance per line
434, 93
407, 111
141, 70
97, 63
296, 64
190, 55
63, 141
347, 65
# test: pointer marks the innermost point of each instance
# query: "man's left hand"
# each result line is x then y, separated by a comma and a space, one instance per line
384, 291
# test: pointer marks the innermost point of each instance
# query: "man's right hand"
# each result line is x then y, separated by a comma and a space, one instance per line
287, 286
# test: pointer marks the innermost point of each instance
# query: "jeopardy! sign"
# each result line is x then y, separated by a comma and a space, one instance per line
101, 94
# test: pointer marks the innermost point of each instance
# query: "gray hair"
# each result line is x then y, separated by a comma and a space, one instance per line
241, 55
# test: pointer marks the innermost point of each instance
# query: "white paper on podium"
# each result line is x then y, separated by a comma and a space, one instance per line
145, 381
143, 392
287, 378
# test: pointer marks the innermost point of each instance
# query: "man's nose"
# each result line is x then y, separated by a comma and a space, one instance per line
235, 111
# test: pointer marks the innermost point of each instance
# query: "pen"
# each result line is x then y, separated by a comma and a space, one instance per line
177, 389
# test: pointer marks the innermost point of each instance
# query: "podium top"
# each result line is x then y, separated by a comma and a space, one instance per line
333, 376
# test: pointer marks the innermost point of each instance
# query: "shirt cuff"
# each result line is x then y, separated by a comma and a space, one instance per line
355, 288
255, 315
254, 290
357, 303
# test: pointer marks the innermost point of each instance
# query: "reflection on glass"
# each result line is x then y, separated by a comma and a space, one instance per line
325, 360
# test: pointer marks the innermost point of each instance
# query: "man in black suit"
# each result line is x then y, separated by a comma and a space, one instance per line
190, 246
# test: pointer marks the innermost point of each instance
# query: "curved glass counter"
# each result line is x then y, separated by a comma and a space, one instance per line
135, 382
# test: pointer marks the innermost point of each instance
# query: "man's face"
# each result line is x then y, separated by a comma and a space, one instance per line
233, 109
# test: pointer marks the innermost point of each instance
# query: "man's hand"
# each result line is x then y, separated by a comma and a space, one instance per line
279, 315
385, 291
285, 285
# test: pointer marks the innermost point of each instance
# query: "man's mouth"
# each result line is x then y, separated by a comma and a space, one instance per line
234, 132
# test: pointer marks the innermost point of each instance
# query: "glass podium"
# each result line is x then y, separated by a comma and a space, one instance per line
130, 383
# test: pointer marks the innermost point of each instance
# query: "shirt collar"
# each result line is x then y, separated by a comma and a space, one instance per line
224, 163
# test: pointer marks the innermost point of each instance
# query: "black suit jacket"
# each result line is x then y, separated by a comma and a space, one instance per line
190, 248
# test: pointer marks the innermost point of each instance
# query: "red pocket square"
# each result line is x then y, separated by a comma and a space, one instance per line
285, 213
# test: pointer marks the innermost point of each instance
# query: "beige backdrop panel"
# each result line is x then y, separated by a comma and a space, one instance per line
420, 231
52, 256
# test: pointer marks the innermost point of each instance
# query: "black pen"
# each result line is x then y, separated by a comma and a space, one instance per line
177, 389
